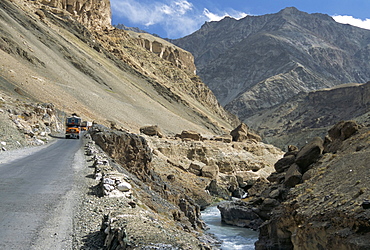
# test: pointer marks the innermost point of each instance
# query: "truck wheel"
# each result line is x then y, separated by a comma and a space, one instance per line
78, 137
67, 136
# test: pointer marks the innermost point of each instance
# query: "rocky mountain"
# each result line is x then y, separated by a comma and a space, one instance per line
68, 54
258, 62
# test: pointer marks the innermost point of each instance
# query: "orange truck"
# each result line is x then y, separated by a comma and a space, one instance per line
73, 124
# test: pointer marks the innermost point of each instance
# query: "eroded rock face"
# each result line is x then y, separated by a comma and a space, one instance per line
134, 154
132, 213
94, 14
129, 149
167, 51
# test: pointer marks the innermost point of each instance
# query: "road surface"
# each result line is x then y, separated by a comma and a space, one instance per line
37, 197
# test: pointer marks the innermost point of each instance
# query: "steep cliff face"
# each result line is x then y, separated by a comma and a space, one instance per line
257, 62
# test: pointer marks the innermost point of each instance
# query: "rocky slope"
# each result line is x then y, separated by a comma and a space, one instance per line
101, 73
331, 206
25, 124
258, 62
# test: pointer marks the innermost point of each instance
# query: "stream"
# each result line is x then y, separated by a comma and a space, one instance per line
232, 237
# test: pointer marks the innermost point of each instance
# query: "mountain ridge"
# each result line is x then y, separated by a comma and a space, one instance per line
311, 49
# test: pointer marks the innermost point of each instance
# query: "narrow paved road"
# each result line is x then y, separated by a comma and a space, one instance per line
33, 190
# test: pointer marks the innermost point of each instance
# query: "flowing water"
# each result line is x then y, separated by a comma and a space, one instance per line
232, 237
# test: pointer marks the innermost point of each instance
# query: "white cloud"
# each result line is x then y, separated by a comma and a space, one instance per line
177, 17
215, 17
211, 16
172, 15
365, 24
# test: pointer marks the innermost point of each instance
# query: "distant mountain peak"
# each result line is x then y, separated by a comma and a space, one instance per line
290, 10
250, 64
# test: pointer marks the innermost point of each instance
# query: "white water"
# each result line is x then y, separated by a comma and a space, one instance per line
232, 237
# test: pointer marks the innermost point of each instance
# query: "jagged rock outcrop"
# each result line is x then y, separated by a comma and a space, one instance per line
243, 133
94, 14
257, 62
135, 155
165, 50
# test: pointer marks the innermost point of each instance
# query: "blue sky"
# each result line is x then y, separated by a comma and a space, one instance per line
178, 18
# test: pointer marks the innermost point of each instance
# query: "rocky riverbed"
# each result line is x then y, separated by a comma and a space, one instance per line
170, 183
317, 197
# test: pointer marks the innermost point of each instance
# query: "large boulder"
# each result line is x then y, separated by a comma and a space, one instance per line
284, 163
196, 167
192, 135
293, 176
246, 178
152, 130
240, 214
309, 154
210, 171
242, 133
339, 133
343, 130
